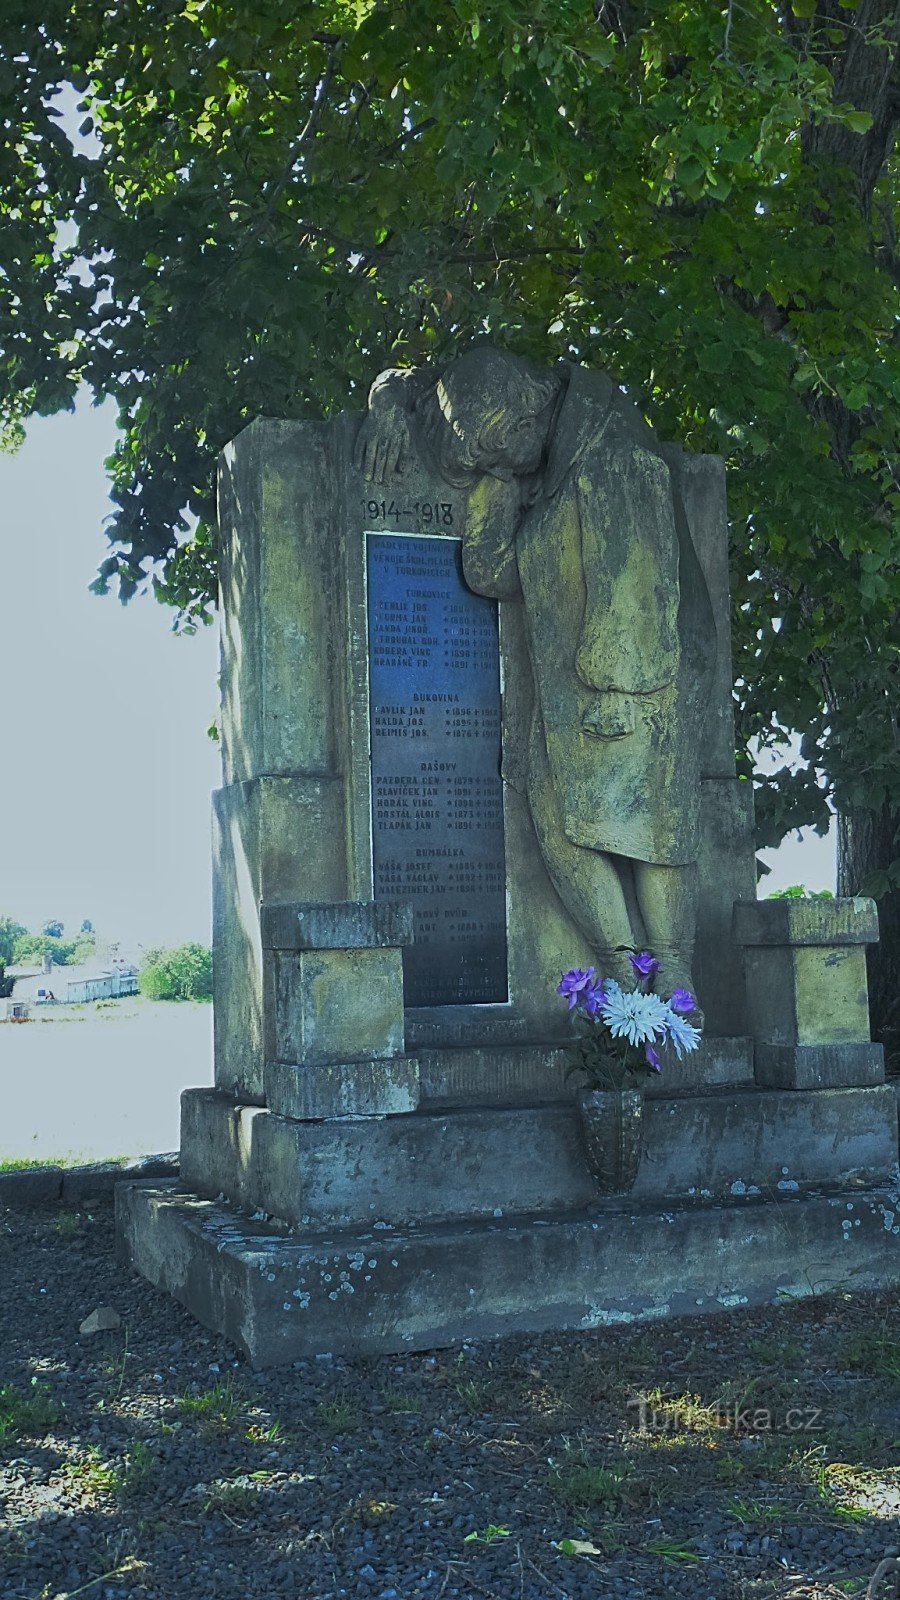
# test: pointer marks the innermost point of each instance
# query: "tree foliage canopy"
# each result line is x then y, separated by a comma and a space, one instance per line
184, 973
267, 203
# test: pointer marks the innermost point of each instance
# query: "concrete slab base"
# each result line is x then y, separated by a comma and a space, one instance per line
280, 1297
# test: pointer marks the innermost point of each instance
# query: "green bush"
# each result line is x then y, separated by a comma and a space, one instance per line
182, 974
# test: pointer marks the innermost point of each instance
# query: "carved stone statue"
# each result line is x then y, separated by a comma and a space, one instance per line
574, 510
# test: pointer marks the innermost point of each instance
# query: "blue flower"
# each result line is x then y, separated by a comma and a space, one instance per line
593, 997
573, 984
639, 1018
682, 1000
652, 1058
645, 964
681, 1035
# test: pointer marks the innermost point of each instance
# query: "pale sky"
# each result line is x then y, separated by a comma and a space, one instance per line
106, 765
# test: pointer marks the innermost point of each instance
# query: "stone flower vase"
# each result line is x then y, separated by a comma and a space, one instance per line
612, 1130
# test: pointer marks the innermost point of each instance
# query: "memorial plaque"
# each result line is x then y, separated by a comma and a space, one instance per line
437, 793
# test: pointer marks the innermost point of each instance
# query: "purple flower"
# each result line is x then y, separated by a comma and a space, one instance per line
653, 1060
645, 964
593, 997
573, 984
682, 1000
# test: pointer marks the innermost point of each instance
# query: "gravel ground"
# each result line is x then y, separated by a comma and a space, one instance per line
741, 1457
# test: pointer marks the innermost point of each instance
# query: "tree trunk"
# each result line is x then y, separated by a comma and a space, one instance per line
866, 844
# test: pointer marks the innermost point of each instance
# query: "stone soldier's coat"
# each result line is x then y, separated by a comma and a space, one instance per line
619, 623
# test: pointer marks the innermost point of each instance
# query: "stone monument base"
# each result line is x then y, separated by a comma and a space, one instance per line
281, 1296
370, 1234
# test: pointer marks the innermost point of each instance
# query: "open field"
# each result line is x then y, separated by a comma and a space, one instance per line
94, 1081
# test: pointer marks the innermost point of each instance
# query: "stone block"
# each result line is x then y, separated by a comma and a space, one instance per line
352, 1089
348, 925
807, 994
819, 1066
30, 1186
217, 1145
272, 836
281, 1299
726, 872
336, 1005
805, 963
849, 920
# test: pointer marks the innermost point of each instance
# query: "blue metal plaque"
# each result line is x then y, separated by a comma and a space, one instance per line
437, 794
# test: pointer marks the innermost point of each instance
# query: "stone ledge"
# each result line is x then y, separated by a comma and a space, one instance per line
806, 922
342, 925
819, 1066
515, 1075
386, 1088
38, 1185
281, 1299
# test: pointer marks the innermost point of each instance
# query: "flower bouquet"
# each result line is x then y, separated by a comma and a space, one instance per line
623, 1036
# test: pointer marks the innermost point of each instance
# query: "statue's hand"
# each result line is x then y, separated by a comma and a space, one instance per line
382, 444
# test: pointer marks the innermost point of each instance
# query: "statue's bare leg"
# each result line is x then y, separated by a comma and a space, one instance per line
587, 881
668, 900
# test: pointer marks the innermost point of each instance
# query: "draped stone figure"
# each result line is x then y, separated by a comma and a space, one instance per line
574, 512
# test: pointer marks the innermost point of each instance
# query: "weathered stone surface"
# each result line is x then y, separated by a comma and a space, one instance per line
280, 605
351, 1089
217, 1145
349, 925
701, 480
850, 920
819, 1066
295, 724
498, 1075
726, 872
282, 1299
437, 1167
273, 837
30, 1185
336, 1005
807, 994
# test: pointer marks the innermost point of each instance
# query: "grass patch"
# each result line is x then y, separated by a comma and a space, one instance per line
27, 1163
777, 1352
91, 1475
475, 1394
136, 1475
876, 1354
674, 1550
216, 1408
757, 1513
265, 1433
67, 1226
26, 1415
582, 1484
400, 1402
339, 1415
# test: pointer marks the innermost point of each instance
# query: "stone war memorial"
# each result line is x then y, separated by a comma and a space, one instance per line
477, 733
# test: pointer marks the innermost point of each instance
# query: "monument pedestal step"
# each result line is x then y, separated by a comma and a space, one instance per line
509, 1075
433, 1167
280, 1297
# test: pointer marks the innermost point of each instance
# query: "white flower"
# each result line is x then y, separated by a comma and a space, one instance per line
679, 1033
628, 1014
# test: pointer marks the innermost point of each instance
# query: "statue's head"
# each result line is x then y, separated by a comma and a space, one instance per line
490, 413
